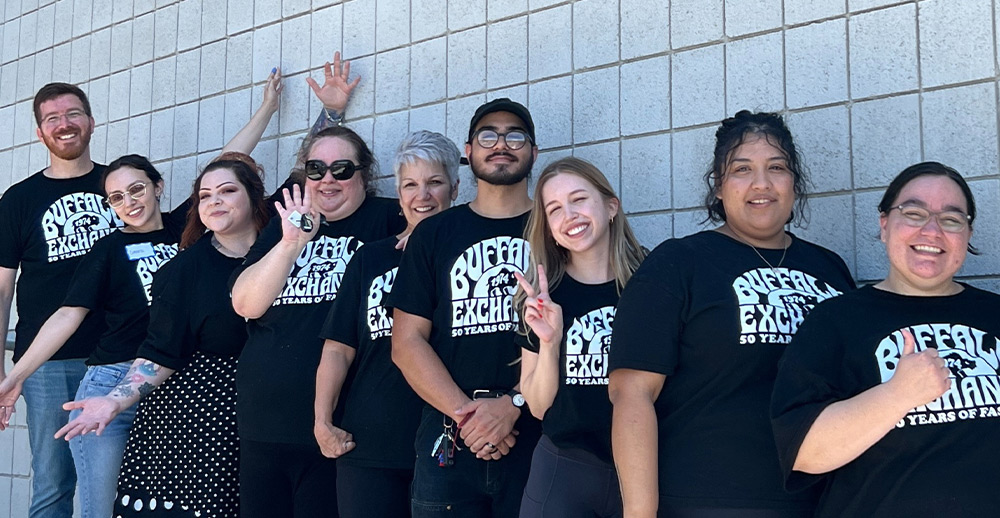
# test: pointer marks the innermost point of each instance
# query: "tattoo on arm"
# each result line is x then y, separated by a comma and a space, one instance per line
146, 388
124, 390
148, 369
323, 121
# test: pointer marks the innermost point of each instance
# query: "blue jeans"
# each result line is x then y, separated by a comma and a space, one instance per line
99, 458
54, 480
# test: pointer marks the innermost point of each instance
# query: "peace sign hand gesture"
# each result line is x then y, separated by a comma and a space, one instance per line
336, 91
543, 316
299, 222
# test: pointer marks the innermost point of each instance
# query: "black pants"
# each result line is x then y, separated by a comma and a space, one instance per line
471, 488
570, 483
286, 480
365, 492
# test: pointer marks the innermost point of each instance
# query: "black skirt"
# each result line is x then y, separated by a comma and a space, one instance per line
182, 456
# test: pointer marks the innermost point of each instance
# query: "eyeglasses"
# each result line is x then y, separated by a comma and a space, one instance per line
953, 221
135, 191
73, 116
515, 139
340, 169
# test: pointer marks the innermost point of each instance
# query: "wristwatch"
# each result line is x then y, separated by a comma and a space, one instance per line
516, 397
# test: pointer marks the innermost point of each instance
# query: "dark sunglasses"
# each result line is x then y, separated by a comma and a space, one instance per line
340, 169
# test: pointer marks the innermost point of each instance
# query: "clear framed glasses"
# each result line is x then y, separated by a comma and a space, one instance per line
73, 116
340, 169
135, 191
515, 139
953, 221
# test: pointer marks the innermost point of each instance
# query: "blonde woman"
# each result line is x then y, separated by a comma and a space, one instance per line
583, 253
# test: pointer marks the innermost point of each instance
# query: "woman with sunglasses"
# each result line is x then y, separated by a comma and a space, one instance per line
699, 332
374, 441
584, 252
285, 289
887, 399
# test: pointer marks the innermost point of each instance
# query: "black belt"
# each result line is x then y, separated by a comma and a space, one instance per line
487, 394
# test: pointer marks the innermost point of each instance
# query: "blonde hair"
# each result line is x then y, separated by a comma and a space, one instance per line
625, 251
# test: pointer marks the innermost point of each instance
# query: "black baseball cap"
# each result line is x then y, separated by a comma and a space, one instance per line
503, 104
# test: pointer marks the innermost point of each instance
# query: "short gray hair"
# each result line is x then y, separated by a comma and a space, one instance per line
431, 147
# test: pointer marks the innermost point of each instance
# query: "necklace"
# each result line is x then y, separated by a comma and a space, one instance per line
224, 250
785, 251
769, 265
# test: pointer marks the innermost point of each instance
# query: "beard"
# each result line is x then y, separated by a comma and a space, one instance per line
503, 174
68, 152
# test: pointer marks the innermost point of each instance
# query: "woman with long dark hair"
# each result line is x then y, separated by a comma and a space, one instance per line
115, 276
699, 332
583, 252
182, 454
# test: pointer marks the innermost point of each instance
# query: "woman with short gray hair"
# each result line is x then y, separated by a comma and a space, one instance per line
374, 443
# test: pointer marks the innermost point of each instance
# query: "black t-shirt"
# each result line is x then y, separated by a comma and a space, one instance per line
117, 277
580, 415
191, 309
458, 272
46, 227
276, 377
381, 411
707, 312
942, 458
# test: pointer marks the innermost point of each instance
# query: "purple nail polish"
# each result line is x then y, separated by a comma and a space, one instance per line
273, 70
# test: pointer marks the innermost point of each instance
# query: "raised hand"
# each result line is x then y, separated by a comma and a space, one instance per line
97, 413
336, 91
543, 316
333, 441
10, 390
272, 91
920, 377
298, 205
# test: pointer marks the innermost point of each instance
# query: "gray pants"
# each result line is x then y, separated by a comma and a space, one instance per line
570, 483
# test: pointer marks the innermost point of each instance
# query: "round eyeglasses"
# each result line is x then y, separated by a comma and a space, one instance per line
514, 139
135, 191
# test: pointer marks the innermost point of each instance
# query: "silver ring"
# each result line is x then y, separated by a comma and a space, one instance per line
490, 445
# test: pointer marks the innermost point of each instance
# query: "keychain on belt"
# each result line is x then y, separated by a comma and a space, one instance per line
445, 445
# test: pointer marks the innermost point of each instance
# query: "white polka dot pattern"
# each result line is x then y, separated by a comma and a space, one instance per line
182, 456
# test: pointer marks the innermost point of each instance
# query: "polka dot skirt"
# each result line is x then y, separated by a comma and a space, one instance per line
182, 456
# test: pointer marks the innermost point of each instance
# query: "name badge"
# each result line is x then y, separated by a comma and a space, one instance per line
139, 251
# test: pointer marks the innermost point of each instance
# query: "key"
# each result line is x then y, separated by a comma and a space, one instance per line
437, 444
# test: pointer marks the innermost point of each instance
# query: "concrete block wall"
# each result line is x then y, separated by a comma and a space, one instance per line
636, 86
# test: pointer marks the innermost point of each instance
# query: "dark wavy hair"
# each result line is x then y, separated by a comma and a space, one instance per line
135, 162
366, 159
928, 169
249, 173
733, 132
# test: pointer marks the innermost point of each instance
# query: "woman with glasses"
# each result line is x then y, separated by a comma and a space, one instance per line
374, 441
285, 289
116, 277
182, 453
699, 332
584, 252
887, 399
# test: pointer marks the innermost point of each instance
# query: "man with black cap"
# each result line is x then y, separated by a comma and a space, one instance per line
453, 334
